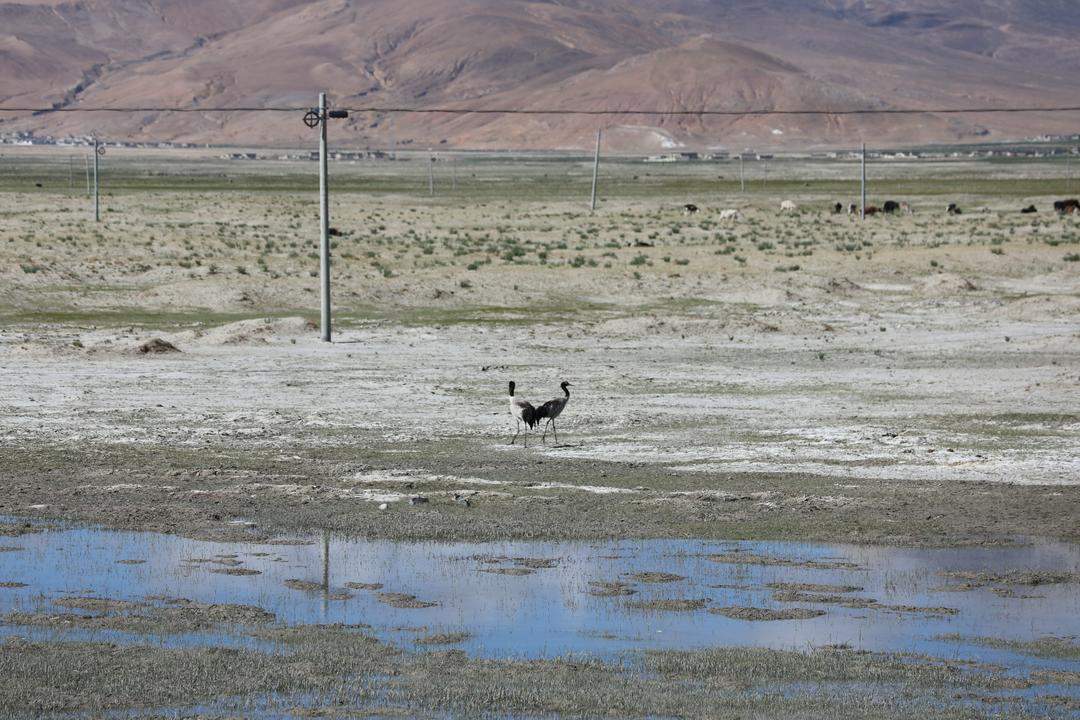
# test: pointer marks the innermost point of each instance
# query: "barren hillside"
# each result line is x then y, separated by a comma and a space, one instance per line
662, 54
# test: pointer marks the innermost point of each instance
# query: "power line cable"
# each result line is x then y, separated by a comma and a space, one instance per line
551, 111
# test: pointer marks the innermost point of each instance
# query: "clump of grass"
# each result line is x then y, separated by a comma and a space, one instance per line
766, 614
1049, 646
657, 577
669, 605
443, 638
403, 601
610, 589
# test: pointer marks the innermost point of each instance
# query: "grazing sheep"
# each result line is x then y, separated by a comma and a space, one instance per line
690, 208
1029, 210
730, 215
953, 209
788, 206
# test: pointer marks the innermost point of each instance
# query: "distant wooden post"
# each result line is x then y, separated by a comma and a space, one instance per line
862, 210
742, 175
595, 172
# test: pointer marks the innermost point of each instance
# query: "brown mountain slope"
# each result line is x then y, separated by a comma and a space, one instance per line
662, 54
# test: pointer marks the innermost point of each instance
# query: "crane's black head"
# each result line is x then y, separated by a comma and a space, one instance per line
565, 385
512, 386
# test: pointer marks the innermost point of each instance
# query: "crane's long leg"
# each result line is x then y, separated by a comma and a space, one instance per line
545, 429
555, 430
514, 439
526, 435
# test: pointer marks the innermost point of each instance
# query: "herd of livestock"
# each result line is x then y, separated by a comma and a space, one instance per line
891, 207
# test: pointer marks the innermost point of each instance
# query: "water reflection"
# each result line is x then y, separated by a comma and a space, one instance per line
531, 599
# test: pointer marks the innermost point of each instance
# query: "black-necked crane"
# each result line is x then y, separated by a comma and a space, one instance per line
552, 409
522, 411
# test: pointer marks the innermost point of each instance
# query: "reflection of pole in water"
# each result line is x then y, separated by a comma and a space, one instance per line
326, 569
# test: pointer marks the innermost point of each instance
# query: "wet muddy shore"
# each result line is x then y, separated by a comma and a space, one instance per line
232, 495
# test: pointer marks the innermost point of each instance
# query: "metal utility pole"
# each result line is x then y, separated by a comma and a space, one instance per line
595, 172
318, 118
862, 208
324, 223
431, 173
97, 200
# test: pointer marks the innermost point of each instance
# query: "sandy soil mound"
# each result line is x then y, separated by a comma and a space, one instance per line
157, 346
247, 332
946, 283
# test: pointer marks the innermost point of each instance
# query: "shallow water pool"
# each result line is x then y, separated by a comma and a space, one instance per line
544, 599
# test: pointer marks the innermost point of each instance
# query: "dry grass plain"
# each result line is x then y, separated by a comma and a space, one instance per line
912, 380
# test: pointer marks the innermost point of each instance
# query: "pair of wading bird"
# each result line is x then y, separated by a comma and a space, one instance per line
524, 412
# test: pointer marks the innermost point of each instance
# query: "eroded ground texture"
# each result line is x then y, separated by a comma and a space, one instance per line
912, 380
